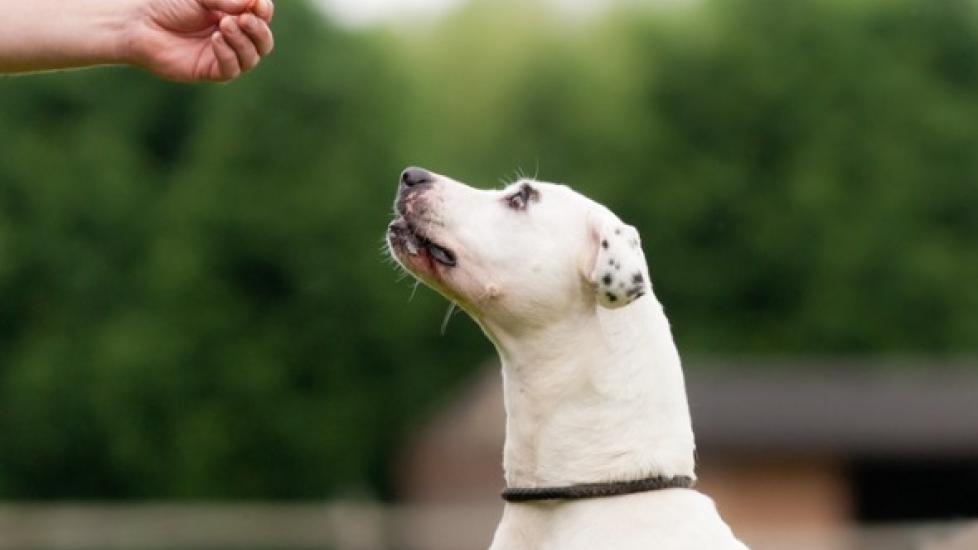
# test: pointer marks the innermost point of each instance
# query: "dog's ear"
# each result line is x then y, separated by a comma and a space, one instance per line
618, 273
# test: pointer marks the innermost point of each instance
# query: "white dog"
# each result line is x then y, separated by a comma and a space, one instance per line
599, 446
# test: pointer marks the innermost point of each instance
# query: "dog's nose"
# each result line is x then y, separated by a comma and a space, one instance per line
416, 176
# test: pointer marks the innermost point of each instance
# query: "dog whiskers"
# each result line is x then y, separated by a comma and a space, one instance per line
507, 181
452, 308
520, 174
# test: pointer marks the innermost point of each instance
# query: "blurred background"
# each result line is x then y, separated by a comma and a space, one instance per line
202, 345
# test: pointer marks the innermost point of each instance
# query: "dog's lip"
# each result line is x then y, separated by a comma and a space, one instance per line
408, 238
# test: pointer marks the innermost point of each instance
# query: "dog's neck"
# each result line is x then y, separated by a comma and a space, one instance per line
595, 397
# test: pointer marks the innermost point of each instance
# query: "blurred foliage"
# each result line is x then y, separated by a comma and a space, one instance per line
194, 299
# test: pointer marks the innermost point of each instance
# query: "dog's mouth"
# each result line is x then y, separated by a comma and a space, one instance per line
406, 239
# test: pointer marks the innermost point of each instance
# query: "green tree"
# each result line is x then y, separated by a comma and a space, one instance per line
193, 300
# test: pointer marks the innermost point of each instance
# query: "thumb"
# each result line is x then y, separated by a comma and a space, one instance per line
233, 7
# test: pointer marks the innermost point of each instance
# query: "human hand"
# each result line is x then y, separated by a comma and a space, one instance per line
200, 40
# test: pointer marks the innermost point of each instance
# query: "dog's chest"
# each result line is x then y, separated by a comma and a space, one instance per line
660, 520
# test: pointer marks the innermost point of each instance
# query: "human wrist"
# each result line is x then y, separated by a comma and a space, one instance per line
117, 26
92, 32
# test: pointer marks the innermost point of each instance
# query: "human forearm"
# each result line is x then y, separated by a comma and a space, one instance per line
55, 34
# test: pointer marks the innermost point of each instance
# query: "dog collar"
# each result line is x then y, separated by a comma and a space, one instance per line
596, 490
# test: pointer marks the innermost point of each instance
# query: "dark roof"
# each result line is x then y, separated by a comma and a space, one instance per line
913, 408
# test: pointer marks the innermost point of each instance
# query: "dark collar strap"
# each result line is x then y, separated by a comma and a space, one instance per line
597, 490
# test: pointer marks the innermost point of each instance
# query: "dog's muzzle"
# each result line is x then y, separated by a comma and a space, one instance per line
405, 238
406, 233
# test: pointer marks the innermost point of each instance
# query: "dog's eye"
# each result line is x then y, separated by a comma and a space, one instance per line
521, 199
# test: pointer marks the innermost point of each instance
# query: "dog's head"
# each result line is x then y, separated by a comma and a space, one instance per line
525, 255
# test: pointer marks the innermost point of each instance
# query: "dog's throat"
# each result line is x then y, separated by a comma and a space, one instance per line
597, 490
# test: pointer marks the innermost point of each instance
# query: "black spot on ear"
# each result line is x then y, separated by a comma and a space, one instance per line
637, 278
611, 261
611, 297
604, 244
606, 279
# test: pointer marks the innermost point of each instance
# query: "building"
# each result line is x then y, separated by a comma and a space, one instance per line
827, 455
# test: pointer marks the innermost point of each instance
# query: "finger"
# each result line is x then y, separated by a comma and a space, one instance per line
227, 6
265, 9
228, 67
259, 33
243, 47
